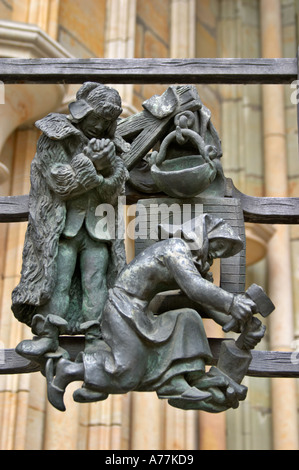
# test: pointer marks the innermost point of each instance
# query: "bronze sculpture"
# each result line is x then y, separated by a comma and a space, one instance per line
166, 353
74, 277
76, 168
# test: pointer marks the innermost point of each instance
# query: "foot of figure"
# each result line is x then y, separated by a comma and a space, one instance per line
55, 394
225, 393
57, 380
87, 395
37, 347
47, 330
179, 388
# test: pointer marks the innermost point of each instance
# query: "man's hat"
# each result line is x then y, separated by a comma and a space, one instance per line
102, 99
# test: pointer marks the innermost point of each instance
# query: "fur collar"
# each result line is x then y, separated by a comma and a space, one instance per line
57, 126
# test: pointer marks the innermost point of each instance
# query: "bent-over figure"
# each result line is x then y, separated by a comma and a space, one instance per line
166, 353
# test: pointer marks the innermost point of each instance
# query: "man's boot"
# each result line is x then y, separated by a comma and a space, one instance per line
47, 330
93, 342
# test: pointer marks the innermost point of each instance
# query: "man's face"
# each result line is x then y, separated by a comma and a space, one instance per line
94, 125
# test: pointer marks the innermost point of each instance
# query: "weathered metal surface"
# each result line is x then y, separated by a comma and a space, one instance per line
231, 71
263, 364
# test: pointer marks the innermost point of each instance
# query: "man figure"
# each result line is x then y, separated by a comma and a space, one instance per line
69, 258
166, 353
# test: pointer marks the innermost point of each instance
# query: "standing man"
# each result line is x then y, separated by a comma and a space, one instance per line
68, 255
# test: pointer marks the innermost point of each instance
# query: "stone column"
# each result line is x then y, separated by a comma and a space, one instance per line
180, 429
43, 13
120, 41
22, 404
146, 422
212, 427
14, 388
182, 37
284, 406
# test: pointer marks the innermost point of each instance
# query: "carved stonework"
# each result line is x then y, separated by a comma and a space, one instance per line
21, 106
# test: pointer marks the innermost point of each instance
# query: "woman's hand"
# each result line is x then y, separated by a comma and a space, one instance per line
241, 310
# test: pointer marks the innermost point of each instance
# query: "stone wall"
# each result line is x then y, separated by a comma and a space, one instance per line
6, 9
81, 28
152, 40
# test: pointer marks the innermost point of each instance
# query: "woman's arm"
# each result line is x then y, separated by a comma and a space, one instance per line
209, 296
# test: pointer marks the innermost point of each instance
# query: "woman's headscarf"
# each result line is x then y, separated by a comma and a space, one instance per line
199, 231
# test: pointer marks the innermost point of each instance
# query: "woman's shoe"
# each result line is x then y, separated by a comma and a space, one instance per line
190, 394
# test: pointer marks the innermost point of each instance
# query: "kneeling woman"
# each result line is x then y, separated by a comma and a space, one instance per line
134, 349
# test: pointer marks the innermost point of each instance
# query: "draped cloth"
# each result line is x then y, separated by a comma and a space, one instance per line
142, 351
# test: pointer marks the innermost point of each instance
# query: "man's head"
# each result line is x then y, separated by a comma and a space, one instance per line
96, 110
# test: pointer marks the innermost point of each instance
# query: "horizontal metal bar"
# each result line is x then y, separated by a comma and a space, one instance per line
263, 364
167, 71
265, 210
14, 208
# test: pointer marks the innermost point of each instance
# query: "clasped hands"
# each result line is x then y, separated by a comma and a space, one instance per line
101, 152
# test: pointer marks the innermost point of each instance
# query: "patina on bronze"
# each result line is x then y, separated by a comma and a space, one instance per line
75, 279
166, 353
68, 260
